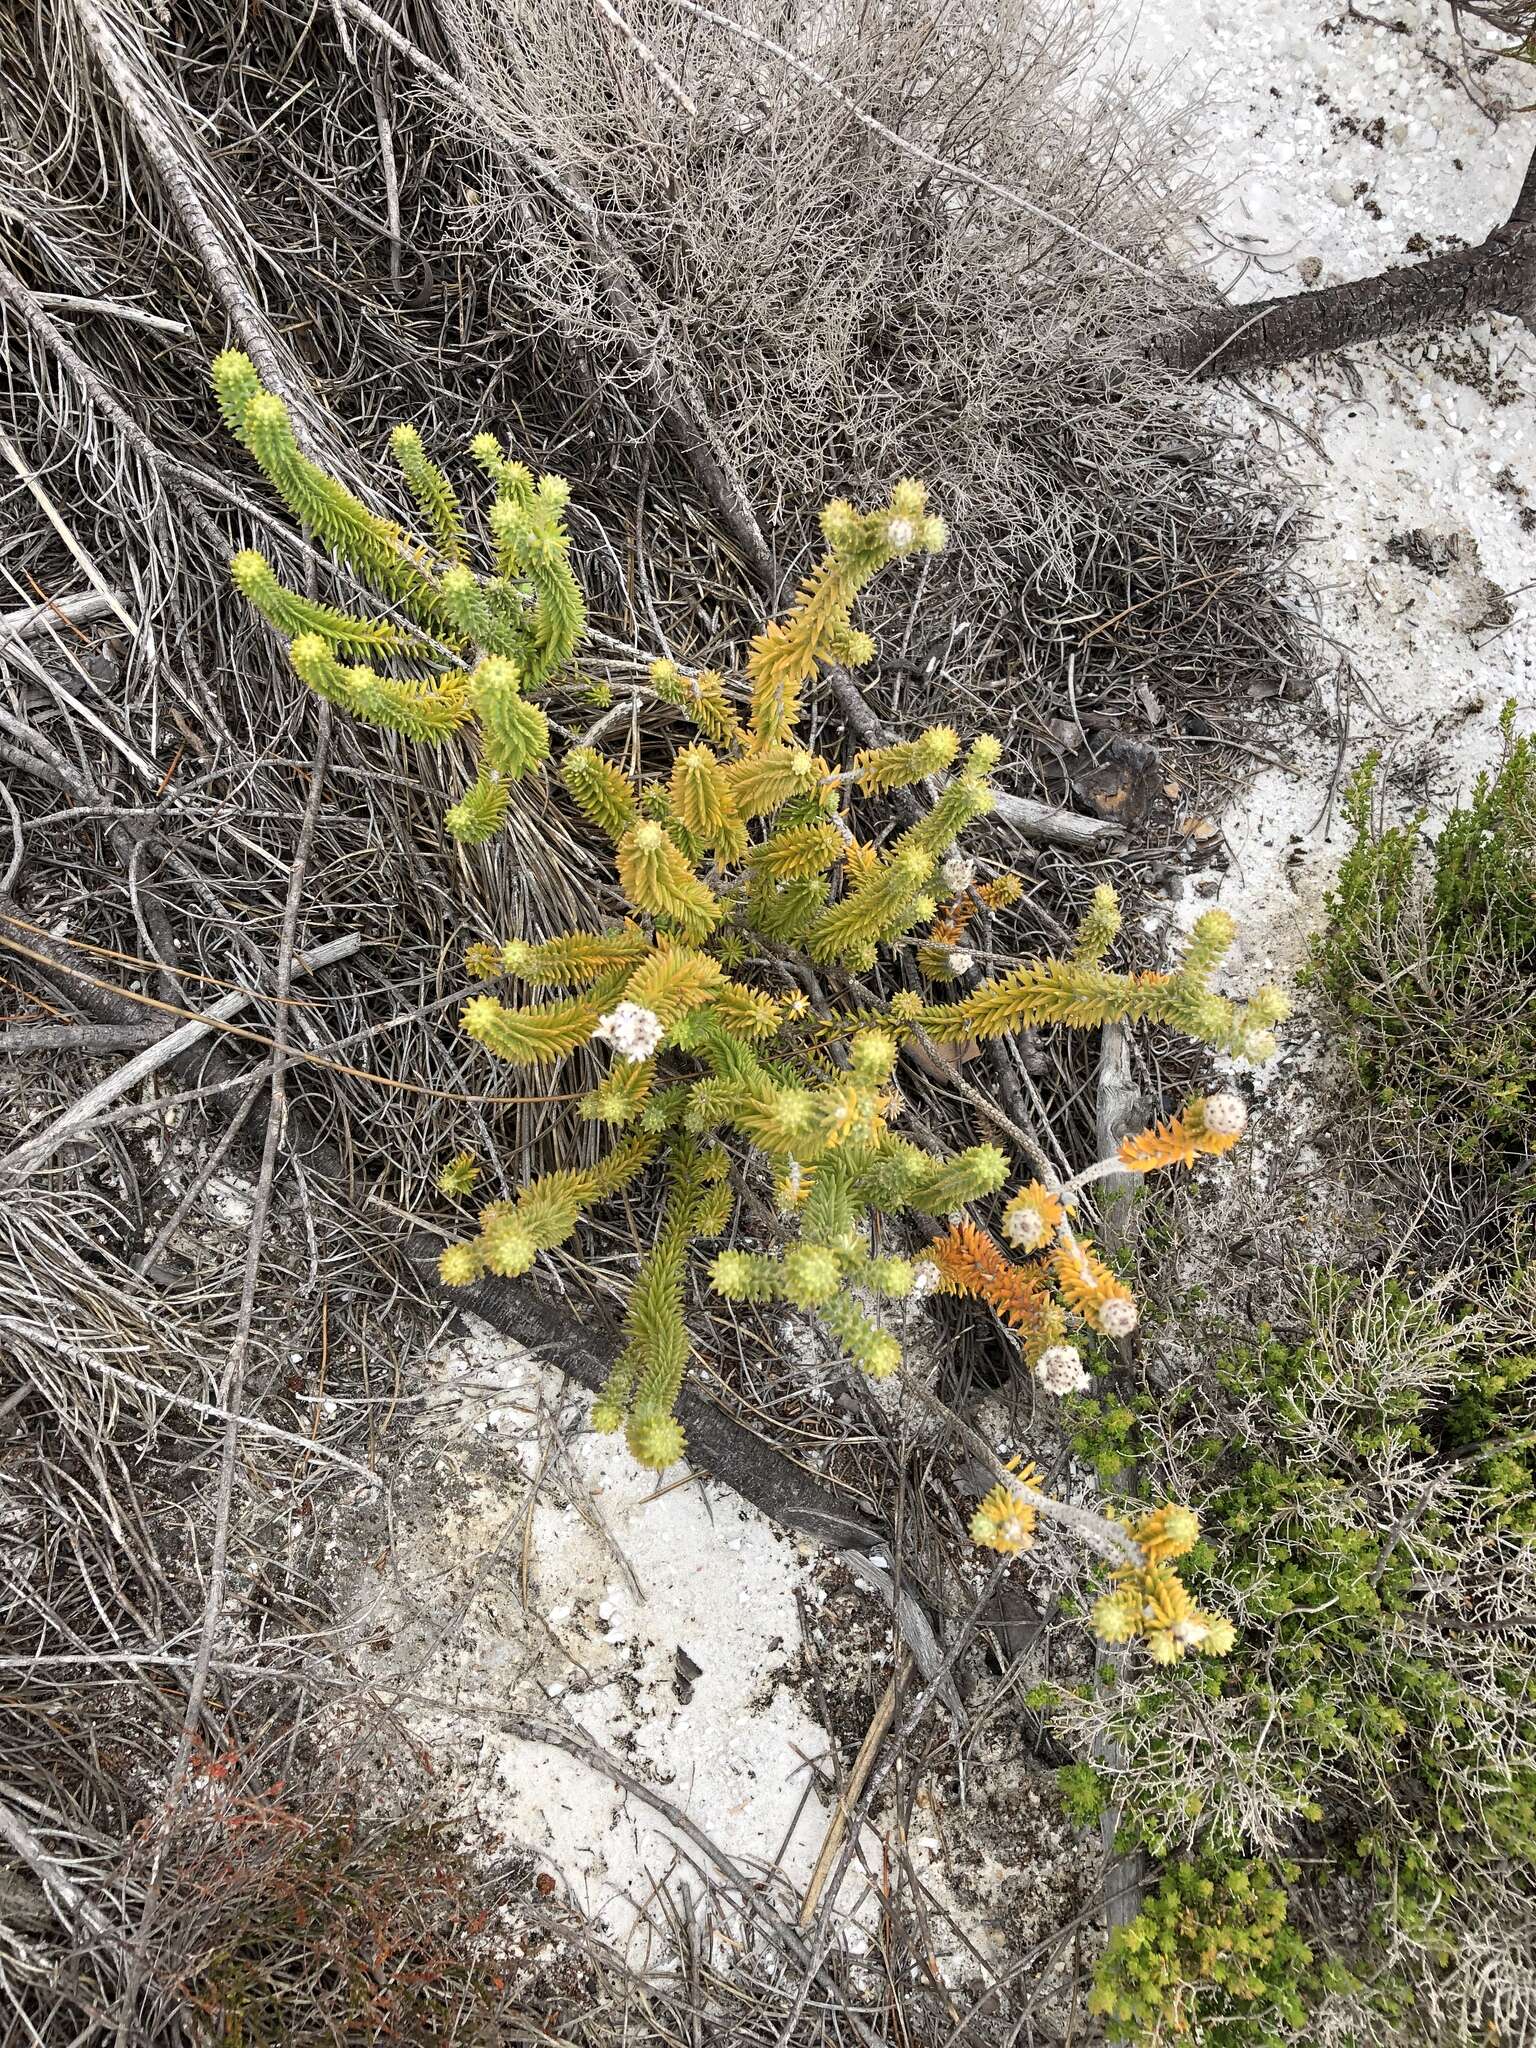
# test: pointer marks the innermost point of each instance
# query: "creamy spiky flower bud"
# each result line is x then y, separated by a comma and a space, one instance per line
1190, 1634
901, 533
1060, 1370
961, 962
1005, 1521
882, 1357
1269, 1005
633, 1031
1117, 1317
812, 1273
957, 874
891, 1277
1116, 1617
1026, 1228
731, 1275
1226, 1115
458, 1265
656, 1440
872, 1054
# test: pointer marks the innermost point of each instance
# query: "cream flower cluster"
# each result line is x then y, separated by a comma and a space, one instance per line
1117, 1317
633, 1031
1026, 1228
1225, 1116
926, 1280
1060, 1370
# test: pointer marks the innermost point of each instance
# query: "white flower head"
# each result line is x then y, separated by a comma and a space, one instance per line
633, 1031
926, 1280
957, 874
1226, 1115
1117, 1318
1011, 1530
901, 533
961, 962
1025, 1228
1060, 1370
1190, 1633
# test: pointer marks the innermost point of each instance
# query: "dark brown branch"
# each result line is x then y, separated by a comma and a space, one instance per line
1524, 209
1449, 290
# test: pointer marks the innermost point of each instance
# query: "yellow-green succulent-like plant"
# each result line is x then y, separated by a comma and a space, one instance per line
466, 649
748, 885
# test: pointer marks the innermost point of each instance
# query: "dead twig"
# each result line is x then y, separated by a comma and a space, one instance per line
33, 1151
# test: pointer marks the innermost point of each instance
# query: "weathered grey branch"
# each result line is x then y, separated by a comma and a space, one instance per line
33, 1151
60, 1887
20, 1038
75, 611
1033, 820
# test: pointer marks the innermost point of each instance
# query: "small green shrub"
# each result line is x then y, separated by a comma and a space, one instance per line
1084, 1795
1342, 1507
1209, 1956
750, 874
1429, 966
1367, 1477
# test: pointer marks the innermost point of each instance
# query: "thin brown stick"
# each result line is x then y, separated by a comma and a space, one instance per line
863, 1763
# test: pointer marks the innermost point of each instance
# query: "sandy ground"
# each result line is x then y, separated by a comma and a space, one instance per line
1339, 146
536, 1566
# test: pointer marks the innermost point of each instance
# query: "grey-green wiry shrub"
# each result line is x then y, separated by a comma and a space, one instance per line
846, 310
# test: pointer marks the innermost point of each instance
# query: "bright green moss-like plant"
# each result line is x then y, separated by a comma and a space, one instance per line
1366, 1494
1208, 1958
750, 890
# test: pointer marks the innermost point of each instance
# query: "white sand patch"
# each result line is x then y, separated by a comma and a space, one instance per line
1332, 140
543, 1573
